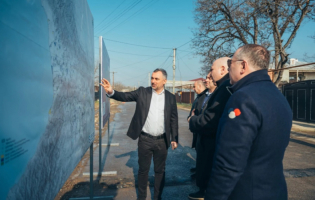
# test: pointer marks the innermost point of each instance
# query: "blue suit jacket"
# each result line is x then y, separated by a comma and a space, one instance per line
253, 134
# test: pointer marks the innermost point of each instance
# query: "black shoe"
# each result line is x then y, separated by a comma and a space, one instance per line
200, 195
193, 170
193, 176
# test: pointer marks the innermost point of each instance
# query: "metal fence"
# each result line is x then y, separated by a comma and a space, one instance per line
185, 97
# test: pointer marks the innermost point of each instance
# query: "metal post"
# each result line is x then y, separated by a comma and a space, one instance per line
91, 171
297, 75
100, 122
108, 131
174, 58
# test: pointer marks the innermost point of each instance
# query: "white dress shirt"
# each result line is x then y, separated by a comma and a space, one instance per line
154, 124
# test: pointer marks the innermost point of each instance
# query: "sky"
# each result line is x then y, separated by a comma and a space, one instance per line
140, 36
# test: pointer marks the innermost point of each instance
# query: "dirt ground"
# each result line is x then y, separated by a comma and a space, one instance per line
78, 186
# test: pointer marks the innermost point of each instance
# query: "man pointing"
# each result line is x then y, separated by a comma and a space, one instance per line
155, 123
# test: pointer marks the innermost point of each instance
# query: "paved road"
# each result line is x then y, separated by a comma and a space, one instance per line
299, 163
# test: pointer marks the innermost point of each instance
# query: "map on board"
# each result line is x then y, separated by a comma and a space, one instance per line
47, 94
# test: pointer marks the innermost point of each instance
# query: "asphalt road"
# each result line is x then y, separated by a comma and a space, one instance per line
299, 163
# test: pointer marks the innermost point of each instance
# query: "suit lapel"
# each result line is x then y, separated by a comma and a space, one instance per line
166, 106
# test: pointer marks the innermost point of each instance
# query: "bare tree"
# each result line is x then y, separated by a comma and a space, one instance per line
224, 25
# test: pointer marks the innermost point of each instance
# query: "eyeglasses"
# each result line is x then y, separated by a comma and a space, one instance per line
229, 62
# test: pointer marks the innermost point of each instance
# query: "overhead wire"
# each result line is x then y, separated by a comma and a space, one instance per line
183, 44
109, 15
120, 15
141, 61
165, 61
186, 64
138, 12
131, 53
136, 44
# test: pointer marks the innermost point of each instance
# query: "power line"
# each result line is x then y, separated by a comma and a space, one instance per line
165, 61
184, 44
109, 14
185, 51
186, 65
140, 61
138, 12
120, 15
131, 53
136, 44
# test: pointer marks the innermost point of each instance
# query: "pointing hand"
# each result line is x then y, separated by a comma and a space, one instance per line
106, 85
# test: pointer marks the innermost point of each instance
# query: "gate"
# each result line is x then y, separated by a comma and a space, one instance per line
301, 98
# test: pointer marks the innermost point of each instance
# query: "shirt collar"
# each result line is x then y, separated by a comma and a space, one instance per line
157, 93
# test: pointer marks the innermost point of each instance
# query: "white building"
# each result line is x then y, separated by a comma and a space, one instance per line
297, 74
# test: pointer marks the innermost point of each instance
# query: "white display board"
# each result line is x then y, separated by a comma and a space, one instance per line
46, 94
105, 73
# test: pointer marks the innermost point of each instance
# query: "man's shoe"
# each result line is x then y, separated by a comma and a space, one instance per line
193, 170
200, 195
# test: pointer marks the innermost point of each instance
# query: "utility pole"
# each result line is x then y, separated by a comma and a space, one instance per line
113, 79
174, 58
149, 80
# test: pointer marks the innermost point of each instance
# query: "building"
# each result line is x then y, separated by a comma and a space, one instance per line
292, 75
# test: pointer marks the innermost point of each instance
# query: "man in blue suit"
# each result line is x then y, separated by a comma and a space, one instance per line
253, 133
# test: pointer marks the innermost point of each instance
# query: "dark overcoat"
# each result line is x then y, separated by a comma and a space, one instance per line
253, 134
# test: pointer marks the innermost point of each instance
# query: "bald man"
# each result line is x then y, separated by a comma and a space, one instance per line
207, 122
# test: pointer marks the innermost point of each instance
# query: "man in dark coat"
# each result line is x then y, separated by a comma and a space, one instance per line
253, 133
155, 123
201, 90
205, 124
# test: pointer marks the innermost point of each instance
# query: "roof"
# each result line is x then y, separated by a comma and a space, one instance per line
310, 68
197, 79
169, 83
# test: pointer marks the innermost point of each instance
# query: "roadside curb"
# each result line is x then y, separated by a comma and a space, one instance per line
183, 108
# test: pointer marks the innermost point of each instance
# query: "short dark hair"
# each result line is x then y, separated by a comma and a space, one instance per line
163, 72
257, 55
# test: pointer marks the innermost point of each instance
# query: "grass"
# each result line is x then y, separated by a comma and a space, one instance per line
184, 105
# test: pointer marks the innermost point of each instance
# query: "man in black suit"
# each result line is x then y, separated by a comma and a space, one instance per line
206, 124
155, 123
